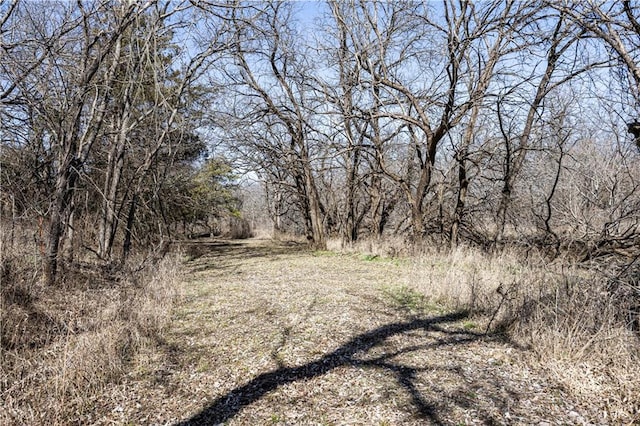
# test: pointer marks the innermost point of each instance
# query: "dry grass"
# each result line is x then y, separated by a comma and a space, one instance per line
271, 333
62, 345
574, 325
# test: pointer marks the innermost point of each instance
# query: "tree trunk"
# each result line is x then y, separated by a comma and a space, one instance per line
463, 185
463, 179
126, 245
318, 240
67, 246
350, 231
417, 201
62, 194
55, 232
515, 160
115, 164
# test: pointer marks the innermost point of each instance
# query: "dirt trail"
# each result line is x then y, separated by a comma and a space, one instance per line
275, 334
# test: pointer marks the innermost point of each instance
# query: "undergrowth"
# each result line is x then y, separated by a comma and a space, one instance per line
62, 344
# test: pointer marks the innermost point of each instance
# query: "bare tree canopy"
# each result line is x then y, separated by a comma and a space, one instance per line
457, 122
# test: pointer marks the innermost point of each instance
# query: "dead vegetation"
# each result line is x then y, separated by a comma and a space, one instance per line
578, 320
272, 333
566, 315
62, 345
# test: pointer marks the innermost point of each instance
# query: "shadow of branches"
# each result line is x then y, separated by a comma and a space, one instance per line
201, 253
350, 354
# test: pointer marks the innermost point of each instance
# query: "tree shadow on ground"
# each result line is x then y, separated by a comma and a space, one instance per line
350, 354
200, 252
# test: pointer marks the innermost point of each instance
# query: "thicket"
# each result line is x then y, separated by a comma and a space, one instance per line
499, 126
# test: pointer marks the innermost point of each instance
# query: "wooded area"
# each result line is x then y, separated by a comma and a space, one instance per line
491, 124
487, 123
483, 123
502, 126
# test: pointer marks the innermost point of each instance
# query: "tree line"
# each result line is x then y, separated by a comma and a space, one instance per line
457, 122
101, 102
475, 122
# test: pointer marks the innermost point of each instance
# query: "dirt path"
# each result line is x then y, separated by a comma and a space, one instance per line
274, 334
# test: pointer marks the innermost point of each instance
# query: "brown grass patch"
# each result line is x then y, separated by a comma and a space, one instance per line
272, 333
62, 345
577, 328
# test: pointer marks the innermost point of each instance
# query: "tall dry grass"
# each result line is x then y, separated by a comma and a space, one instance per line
575, 323
61, 345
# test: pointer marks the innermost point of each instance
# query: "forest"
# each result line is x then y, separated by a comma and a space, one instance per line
499, 126
488, 124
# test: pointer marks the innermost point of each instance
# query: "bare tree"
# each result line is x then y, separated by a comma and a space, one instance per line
502, 22
69, 87
273, 72
424, 76
617, 25
559, 68
104, 99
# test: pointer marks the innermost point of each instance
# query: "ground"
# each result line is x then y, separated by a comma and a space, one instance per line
272, 333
